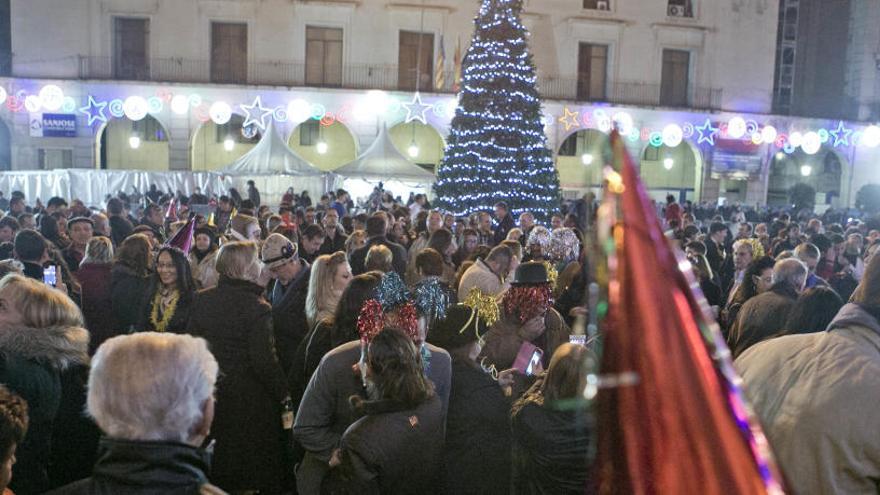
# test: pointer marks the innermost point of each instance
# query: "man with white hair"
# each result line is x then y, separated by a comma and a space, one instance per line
743, 253
764, 315
152, 394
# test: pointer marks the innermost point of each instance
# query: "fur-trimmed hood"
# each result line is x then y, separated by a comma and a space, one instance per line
58, 347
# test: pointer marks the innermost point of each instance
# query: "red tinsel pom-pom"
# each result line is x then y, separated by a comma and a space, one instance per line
527, 302
371, 320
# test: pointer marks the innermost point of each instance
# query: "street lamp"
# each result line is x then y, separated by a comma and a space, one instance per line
228, 144
668, 163
321, 147
134, 142
586, 159
806, 170
413, 150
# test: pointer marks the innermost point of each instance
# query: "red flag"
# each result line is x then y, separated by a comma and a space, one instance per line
683, 427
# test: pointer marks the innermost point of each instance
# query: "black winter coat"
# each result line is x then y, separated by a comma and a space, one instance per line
477, 452
146, 468
337, 243
75, 435
391, 450
289, 314
398, 253
550, 451
31, 363
120, 228
237, 323
127, 292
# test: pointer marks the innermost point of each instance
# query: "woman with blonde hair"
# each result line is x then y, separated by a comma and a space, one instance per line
94, 276
355, 241
329, 277
236, 320
41, 338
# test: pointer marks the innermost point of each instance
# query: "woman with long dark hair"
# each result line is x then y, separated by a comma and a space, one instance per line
551, 440
757, 279
129, 279
169, 296
813, 311
395, 445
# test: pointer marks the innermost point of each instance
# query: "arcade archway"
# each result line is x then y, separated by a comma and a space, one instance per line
125, 144
419, 142
672, 170
216, 146
327, 147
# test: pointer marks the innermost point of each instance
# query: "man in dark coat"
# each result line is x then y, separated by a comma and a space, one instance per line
716, 254
763, 316
120, 227
253, 193
31, 250
376, 229
505, 222
287, 293
335, 237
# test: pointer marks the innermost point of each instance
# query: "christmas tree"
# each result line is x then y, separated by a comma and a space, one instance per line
497, 149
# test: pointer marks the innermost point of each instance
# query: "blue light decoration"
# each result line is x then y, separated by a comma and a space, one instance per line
256, 114
416, 110
116, 108
656, 139
95, 111
707, 133
823, 135
496, 150
841, 135
155, 105
280, 114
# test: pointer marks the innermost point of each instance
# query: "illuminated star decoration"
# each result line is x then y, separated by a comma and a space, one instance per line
256, 113
415, 110
94, 110
841, 134
570, 119
707, 133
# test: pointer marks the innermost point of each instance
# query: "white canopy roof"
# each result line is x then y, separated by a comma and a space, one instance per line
271, 156
382, 161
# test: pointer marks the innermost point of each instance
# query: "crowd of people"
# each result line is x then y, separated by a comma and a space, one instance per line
169, 344
163, 343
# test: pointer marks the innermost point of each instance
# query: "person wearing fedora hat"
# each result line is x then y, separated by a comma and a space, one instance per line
527, 317
477, 450
287, 293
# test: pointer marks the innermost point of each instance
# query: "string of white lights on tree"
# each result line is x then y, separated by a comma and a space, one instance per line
496, 149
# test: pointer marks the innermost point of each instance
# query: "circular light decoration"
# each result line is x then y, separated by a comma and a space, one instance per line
439, 109
68, 106
668, 163
249, 132
870, 138
228, 144
672, 135
180, 104
3, 95
32, 103
656, 139
751, 127
806, 170
135, 108
768, 134
623, 121
634, 134
687, 130
811, 143
736, 127
195, 100
795, 139
587, 159
603, 123
788, 148
203, 112
376, 102
757, 138
321, 147
298, 111
318, 111
220, 112
52, 97
134, 142
824, 135
155, 105
280, 114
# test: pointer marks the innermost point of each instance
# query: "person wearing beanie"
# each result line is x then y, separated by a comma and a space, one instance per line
202, 258
287, 292
477, 450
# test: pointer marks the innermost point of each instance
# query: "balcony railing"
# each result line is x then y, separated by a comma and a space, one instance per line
366, 76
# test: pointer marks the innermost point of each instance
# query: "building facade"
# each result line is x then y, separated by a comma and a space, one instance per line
193, 84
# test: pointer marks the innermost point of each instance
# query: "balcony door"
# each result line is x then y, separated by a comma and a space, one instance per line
131, 41
323, 56
415, 61
674, 78
229, 52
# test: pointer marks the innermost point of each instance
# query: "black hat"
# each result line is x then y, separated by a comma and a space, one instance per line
531, 273
461, 326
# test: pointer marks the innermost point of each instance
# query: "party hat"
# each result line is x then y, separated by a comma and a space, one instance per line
184, 237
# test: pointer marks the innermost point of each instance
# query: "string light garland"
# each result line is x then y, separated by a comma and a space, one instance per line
496, 150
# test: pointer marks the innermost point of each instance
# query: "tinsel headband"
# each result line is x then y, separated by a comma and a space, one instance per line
527, 301
372, 319
431, 298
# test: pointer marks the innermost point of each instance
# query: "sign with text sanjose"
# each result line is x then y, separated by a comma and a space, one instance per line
53, 125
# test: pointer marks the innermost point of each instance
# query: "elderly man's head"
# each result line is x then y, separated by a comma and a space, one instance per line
791, 272
809, 254
743, 252
153, 387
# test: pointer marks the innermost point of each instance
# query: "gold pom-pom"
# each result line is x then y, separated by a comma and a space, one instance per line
552, 274
485, 305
